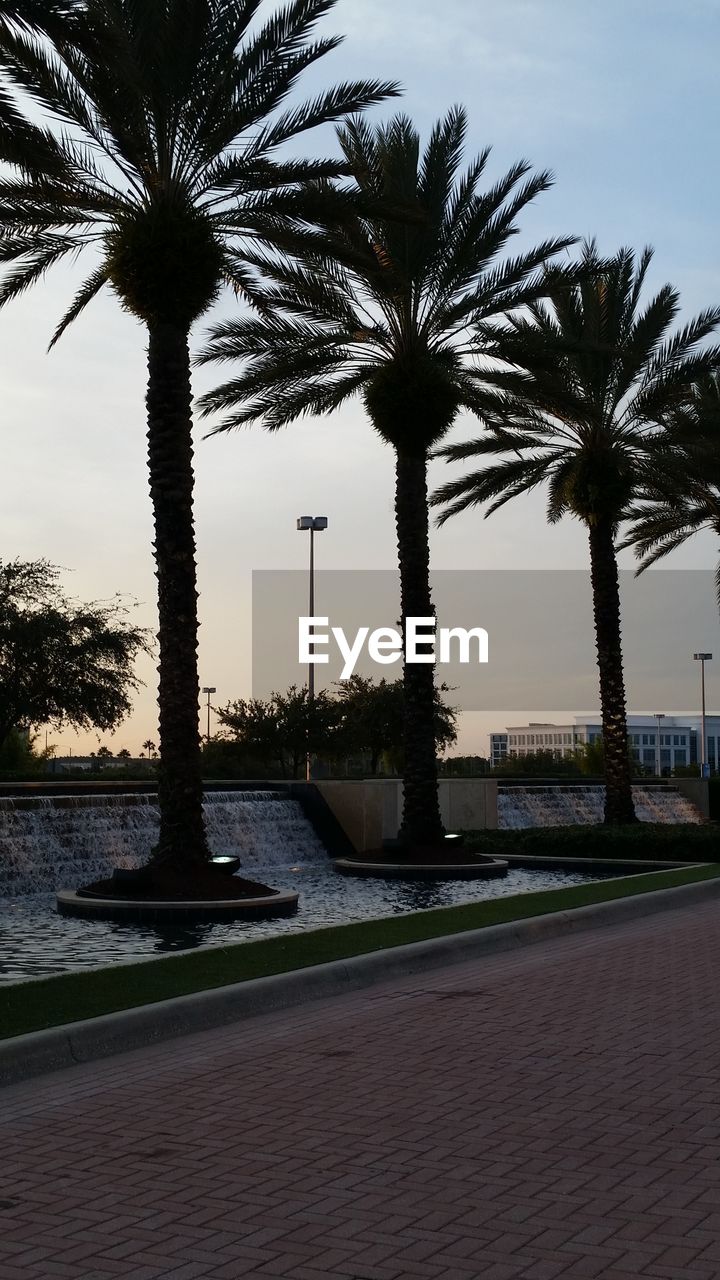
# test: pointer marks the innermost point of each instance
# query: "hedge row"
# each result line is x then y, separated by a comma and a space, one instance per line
642, 840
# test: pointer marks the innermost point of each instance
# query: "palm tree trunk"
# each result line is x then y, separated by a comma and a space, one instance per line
619, 805
421, 823
182, 840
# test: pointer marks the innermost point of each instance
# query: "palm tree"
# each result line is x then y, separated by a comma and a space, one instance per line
163, 120
605, 374
681, 494
150, 747
383, 308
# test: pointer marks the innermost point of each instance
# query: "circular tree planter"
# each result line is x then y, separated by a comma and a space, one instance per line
265, 906
385, 868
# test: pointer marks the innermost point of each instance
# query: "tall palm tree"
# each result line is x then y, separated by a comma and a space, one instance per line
384, 308
158, 150
605, 374
681, 494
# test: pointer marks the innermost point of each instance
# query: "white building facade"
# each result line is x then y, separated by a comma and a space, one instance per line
667, 742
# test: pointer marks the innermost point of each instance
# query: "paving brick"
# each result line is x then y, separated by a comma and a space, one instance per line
549, 1112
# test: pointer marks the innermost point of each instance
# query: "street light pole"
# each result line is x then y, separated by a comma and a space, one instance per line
208, 689
702, 658
313, 525
659, 715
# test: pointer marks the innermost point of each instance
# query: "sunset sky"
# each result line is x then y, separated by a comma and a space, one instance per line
620, 100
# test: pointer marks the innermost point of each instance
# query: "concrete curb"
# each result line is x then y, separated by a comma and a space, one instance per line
23, 1057
488, 870
71, 903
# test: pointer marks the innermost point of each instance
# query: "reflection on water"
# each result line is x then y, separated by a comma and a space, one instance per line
35, 941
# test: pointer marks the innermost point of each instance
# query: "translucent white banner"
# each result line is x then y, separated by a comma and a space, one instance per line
540, 636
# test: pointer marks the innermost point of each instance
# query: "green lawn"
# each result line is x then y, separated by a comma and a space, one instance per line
51, 1002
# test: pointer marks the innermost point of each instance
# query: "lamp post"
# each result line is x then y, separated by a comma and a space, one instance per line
659, 715
313, 525
208, 689
702, 658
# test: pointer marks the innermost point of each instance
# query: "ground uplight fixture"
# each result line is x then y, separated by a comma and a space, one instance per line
702, 658
311, 525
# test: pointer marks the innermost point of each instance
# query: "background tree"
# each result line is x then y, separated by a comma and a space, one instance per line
358, 718
157, 147
282, 729
464, 767
19, 755
62, 661
372, 717
150, 747
123, 754
538, 764
387, 307
603, 373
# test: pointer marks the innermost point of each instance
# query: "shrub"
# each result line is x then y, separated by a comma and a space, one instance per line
664, 842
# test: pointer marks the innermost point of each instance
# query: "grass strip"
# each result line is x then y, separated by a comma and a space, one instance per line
70, 997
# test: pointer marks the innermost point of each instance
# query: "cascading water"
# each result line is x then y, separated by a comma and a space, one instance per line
566, 805
53, 842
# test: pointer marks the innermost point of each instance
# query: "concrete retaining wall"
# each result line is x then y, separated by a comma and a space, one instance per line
697, 791
369, 811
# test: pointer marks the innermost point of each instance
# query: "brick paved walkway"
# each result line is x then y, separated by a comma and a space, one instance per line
551, 1112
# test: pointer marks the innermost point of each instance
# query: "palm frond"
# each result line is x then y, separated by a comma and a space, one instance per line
89, 290
32, 265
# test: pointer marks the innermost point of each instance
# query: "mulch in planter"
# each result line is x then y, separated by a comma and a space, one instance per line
168, 884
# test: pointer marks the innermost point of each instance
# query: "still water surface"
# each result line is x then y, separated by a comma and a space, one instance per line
36, 942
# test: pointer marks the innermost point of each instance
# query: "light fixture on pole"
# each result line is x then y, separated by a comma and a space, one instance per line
208, 689
659, 715
313, 525
702, 658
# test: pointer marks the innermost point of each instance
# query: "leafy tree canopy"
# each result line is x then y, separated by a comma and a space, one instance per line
680, 494
603, 373
389, 305
372, 718
281, 730
62, 661
158, 143
361, 718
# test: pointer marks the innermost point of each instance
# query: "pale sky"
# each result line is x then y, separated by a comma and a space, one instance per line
619, 100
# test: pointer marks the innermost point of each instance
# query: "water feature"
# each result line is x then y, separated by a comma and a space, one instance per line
35, 942
55, 842
565, 804
62, 841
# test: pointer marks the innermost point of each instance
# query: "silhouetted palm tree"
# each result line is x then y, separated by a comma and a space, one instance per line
157, 148
681, 493
385, 308
606, 373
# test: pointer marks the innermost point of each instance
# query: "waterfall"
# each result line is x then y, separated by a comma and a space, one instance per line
52, 842
565, 805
